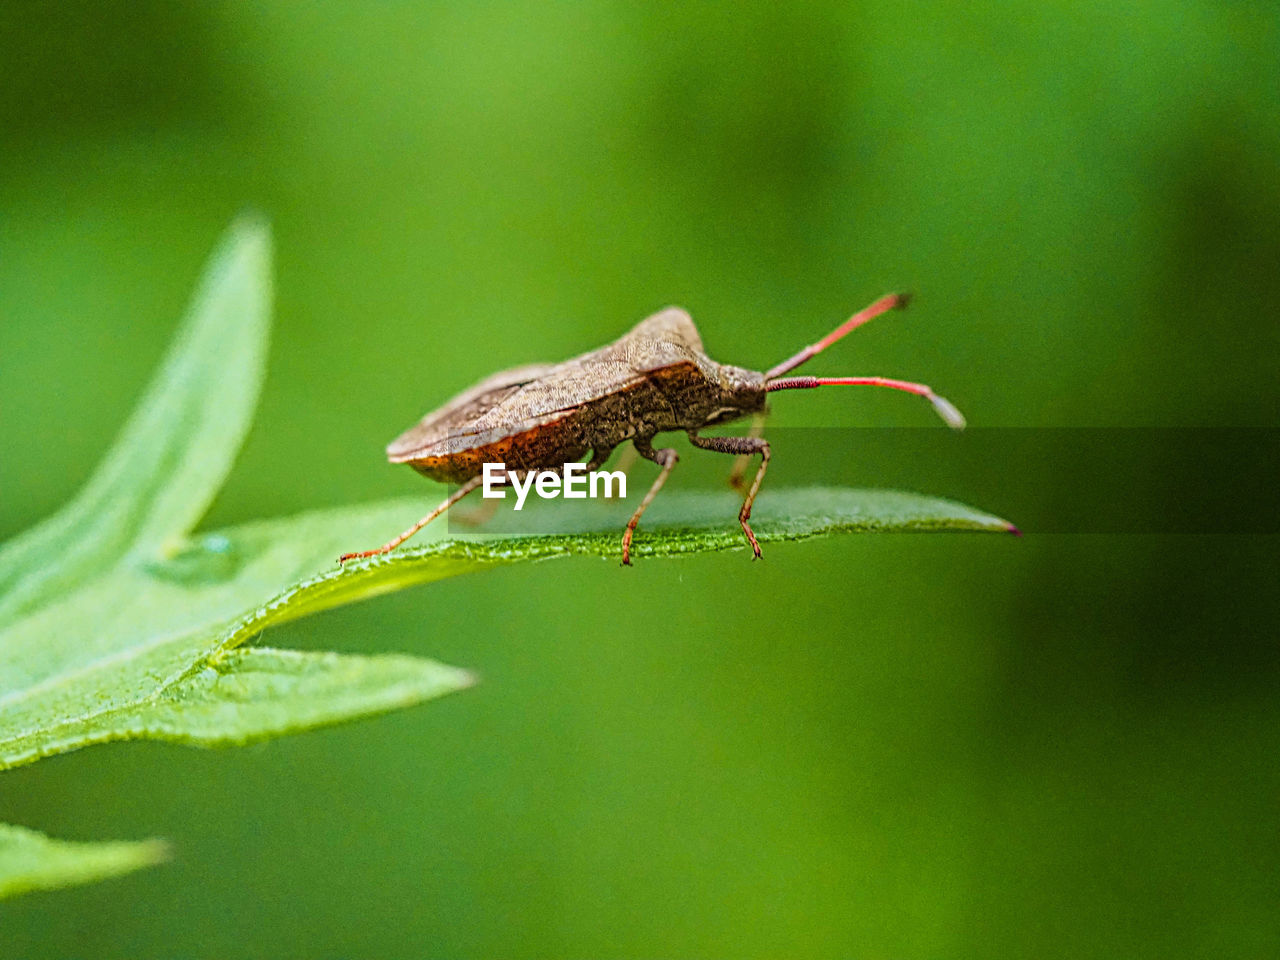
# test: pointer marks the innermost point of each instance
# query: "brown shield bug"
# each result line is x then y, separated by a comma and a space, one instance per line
653, 379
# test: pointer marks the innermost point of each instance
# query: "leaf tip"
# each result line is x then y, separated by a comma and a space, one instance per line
252, 221
248, 240
153, 852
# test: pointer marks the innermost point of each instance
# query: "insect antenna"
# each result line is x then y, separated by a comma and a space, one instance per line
886, 303
945, 408
775, 381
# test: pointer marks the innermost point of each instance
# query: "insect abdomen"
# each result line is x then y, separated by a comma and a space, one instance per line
547, 446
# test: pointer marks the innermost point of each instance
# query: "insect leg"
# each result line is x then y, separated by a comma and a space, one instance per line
627, 460
665, 458
454, 497
740, 464
477, 517
742, 446
598, 457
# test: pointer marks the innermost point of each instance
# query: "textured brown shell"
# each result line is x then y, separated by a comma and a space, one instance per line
506, 417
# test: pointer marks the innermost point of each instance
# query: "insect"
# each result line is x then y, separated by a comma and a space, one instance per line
653, 379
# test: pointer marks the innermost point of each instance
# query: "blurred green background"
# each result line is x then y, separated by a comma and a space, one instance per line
893, 746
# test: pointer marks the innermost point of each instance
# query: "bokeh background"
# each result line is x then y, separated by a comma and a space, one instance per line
890, 746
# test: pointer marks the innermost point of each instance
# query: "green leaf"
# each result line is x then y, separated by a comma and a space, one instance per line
32, 861
174, 453
255, 693
75, 676
115, 624
100, 664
